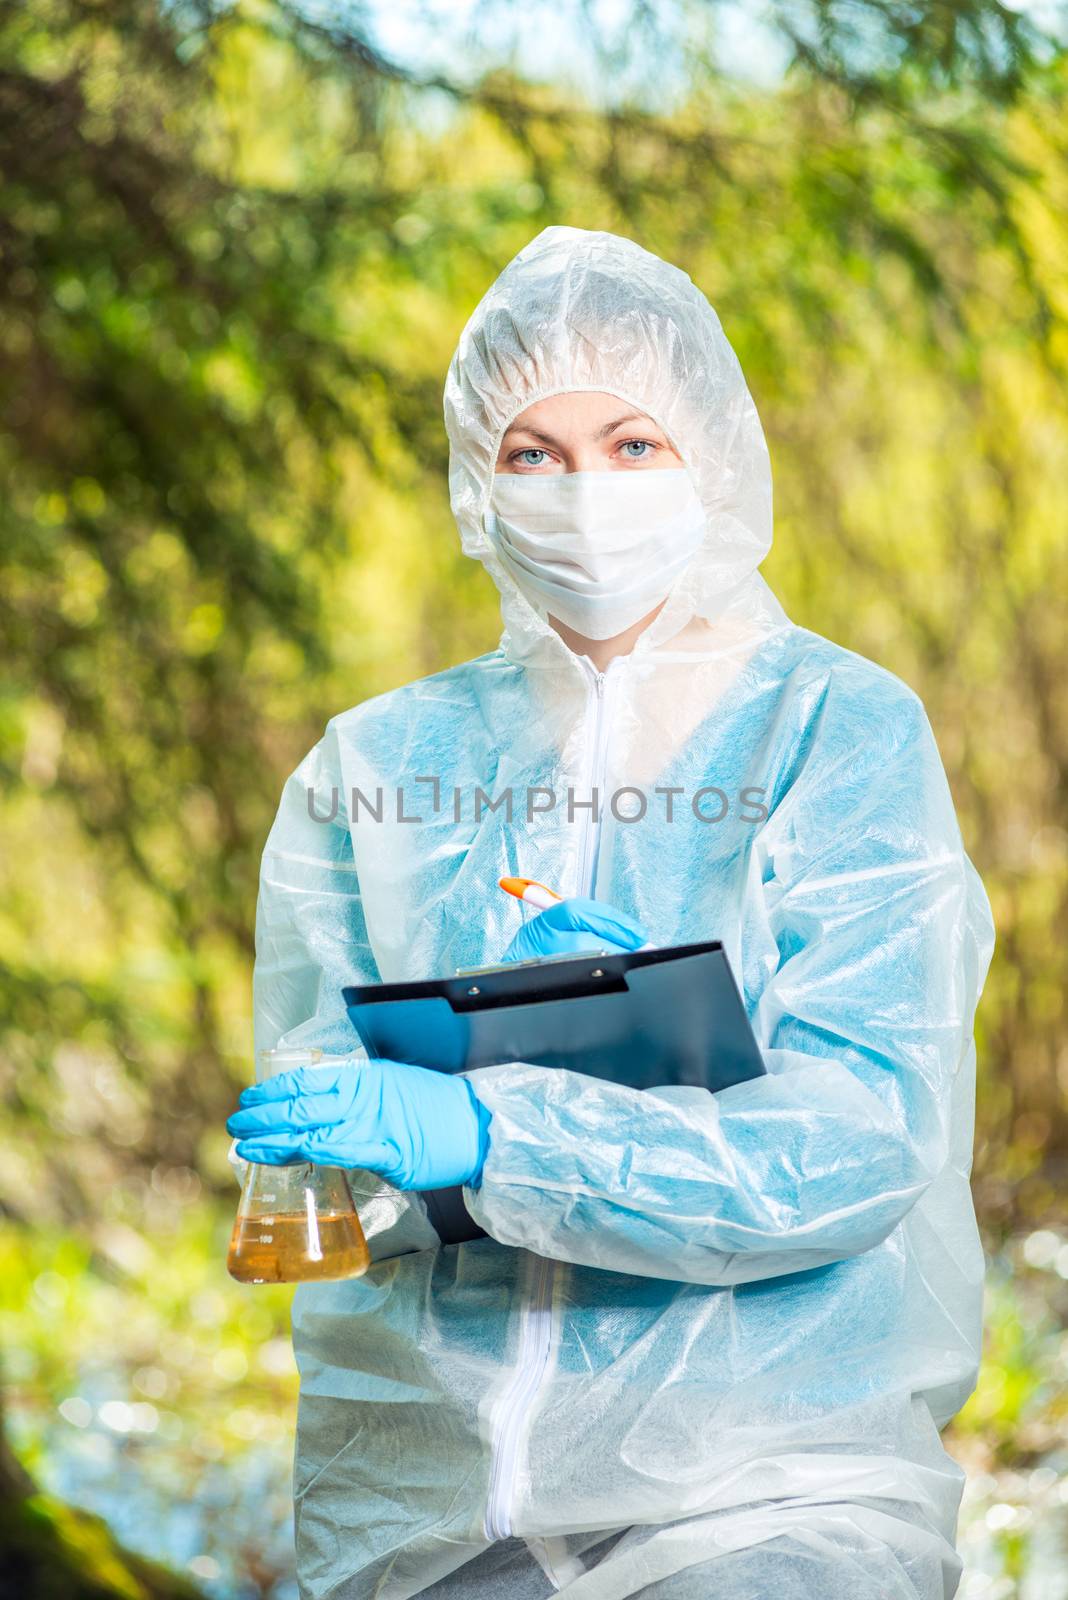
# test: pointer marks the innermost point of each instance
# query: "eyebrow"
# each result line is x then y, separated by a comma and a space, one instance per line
631, 416
602, 433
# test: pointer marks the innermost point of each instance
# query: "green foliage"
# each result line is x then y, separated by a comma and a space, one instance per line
52, 1552
236, 250
1019, 1409
143, 1380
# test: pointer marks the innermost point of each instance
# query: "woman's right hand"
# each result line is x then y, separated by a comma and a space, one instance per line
575, 927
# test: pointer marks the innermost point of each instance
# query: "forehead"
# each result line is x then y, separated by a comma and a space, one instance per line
577, 411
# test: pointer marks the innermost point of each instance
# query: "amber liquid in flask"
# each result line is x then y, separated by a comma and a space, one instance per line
296, 1223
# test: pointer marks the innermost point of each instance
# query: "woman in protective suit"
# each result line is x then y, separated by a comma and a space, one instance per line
709, 1341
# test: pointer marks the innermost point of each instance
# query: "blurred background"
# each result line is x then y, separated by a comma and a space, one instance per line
237, 245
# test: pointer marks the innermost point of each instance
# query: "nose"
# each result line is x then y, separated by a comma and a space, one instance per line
583, 455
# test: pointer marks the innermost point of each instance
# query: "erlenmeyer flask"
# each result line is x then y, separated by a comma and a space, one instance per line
298, 1222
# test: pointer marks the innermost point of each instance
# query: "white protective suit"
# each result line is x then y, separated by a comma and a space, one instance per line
709, 1343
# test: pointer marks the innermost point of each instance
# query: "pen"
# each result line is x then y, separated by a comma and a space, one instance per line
530, 891
536, 894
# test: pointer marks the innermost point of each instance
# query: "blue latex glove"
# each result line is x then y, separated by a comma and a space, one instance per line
571, 927
418, 1129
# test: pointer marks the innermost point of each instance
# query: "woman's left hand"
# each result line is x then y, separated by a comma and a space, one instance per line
419, 1129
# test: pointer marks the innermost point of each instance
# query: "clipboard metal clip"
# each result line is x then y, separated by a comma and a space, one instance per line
535, 961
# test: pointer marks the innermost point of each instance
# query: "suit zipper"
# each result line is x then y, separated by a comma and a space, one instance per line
596, 777
531, 1360
535, 1336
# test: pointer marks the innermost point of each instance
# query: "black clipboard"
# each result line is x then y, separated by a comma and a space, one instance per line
641, 1018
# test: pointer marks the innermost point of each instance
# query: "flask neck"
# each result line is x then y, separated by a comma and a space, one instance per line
271, 1062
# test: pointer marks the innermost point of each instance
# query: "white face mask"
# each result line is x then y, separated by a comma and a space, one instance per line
598, 550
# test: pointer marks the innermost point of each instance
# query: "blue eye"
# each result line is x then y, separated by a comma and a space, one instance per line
522, 456
636, 449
